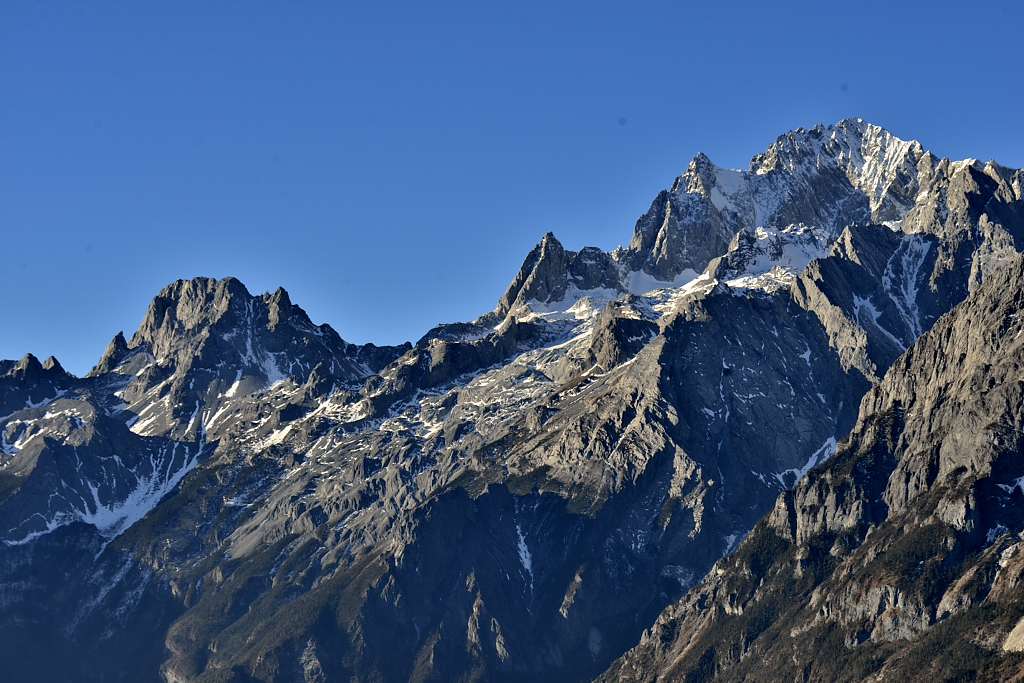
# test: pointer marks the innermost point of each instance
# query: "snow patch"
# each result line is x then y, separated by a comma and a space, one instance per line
524, 554
824, 452
728, 184
865, 311
233, 389
113, 517
577, 304
776, 257
271, 370
639, 282
902, 279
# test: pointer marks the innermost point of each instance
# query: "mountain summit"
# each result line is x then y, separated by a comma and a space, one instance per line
779, 423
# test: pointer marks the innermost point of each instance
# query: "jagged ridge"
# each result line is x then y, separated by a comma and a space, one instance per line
590, 447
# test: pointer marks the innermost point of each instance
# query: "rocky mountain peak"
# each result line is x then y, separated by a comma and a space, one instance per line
876, 165
550, 272
30, 368
542, 277
189, 306
53, 365
698, 177
205, 343
28, 365
825, 177
186, 314
28, 382
239, 494
279, 306
114, 354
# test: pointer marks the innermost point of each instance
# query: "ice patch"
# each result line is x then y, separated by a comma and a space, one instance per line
577, 304
664, 301
728, 184
271, 370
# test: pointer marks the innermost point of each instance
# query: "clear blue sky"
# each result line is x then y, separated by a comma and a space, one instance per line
392, 165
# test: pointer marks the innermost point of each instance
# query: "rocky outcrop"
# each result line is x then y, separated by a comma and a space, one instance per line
27, 383
828, 177
684, 229
550, 272
114, 354
900, 557
768, 259
436, 361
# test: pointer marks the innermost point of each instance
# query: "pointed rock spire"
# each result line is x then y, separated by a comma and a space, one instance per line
544, 276
115, 353
279, 307
28, 365
51, 364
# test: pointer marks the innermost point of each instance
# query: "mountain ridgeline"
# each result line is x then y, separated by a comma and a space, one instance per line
776, 436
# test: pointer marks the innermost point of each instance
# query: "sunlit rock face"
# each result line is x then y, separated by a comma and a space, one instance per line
237, 493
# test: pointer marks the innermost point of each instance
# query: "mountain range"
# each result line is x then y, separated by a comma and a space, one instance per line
776, 436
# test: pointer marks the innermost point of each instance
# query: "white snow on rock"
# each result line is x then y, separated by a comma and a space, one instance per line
824, 452
640, 283
577, 304
903, 276
867, 313
111, 516
233, 389
728, 184
524, 553
778, 256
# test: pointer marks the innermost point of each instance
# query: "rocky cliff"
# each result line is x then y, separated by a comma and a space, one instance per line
235, 493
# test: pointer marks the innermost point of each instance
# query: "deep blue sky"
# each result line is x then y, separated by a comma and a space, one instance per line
391, 166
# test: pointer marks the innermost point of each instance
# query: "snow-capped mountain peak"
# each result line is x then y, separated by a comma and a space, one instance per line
243, 487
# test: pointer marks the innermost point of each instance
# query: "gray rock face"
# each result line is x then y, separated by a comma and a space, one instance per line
620, 331
683, 229
27, 382
768, 260
117, 350
193, 320
238, 494
871, 294
549, 271
901, 557
828, 177
105, 449
437, 361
